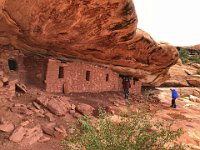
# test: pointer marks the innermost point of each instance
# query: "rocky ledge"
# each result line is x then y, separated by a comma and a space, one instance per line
104, 32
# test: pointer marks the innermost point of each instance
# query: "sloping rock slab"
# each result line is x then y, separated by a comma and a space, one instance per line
58, 106
194, 80
85, 109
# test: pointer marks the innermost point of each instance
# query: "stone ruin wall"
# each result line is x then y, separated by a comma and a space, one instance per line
40, 72
8, 78
74, 78
31, 70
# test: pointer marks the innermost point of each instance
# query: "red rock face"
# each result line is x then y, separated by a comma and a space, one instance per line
92, 30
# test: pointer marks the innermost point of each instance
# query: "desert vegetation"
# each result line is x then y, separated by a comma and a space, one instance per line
186, 57
131, 131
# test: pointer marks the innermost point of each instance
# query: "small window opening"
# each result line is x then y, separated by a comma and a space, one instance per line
12, 64
107, 77
5, 83
87, 75
61, 72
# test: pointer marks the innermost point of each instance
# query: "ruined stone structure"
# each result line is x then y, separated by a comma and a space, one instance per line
8, 72
83, 77
60, 77
28, 69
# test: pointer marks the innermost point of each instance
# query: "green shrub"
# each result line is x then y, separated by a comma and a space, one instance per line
198, 72
195, 58
133, 132
184, 55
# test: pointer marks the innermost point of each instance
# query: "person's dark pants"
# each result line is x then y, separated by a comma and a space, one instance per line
126, 93
173, 103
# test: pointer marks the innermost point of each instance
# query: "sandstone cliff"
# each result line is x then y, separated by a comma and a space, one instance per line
103, 31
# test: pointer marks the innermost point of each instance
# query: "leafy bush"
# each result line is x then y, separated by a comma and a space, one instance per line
195, 58
133, 132
184, 55
198, 72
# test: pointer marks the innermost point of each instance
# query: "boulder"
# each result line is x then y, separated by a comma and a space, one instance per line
43, 100
60, 132
32, 136
7, 127
194, 80
58, 106
85, 109
49, 128
18, 134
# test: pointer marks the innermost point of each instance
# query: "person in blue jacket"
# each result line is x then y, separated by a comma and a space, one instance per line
174, 97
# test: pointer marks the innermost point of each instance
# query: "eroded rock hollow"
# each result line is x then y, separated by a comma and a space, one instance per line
100, 31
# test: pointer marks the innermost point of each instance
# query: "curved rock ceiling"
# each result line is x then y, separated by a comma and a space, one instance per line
100, 31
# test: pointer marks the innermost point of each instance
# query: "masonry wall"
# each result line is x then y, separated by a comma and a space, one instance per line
53, 84
5, 55
31, 70
8, 78
74, 79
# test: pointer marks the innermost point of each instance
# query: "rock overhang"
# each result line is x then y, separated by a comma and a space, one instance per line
103, 32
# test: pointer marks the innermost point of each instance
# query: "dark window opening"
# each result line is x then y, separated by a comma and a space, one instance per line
12, 64
107, 77
61, 72
5, 83
87, 75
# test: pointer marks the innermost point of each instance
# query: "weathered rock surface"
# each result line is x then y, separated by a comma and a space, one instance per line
196, 65
97, 31
179, 75
58, 106
194, 80
33, 135
18, 134
85, 109
7, 127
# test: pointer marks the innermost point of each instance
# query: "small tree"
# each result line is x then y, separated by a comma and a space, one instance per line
184, 55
